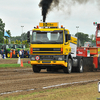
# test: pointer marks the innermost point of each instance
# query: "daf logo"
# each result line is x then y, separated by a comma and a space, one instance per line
47, 24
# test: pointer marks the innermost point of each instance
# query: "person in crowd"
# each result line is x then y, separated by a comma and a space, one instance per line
1, 52
13, 53
20, 53
16, 52
28, 53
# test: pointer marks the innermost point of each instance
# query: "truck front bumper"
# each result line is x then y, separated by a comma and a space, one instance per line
39, 62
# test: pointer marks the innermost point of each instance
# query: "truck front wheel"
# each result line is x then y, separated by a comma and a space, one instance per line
68, 69
36, 69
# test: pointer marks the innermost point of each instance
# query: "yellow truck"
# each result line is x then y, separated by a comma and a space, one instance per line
53, 48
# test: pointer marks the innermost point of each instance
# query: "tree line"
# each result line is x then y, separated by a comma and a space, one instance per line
82, 37
13, 40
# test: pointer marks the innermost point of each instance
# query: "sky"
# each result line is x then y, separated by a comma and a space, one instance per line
27, 13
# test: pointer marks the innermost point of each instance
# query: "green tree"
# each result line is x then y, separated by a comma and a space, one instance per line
82, 38
2, 25
19, 42
16, 38
93, 40
16, 41
6, 41
92, 36
12, 42
24, 36
26, 44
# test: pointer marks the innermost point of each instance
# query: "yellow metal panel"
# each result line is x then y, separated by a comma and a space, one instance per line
48, 24
66, 48
73, 40
98, 50
93, 50
63, 63
47, 51
46, 46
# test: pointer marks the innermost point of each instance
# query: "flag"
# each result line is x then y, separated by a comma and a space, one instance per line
6, 34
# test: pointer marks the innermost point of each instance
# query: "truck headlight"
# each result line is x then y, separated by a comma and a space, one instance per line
60, 58
32, 58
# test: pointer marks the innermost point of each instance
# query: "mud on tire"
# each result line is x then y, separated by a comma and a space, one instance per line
36, 69
68, 69
80, 66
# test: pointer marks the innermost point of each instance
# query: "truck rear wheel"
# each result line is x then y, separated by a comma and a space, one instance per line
68, 69
80, 66
36, 69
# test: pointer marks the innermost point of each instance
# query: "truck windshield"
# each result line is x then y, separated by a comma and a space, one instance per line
47, 37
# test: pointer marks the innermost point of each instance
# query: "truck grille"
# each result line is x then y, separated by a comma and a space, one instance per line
46, 50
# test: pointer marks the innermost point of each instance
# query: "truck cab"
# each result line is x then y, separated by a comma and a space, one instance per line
52, 48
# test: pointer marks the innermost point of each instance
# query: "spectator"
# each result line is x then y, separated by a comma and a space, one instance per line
16, 52
13, 53
1, 52
28, 53
20, 53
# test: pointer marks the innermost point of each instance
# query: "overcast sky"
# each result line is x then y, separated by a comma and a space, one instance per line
17, 13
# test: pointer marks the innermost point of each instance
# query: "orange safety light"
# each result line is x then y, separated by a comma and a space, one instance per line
61, 26
61, 50
37, 26
31, 50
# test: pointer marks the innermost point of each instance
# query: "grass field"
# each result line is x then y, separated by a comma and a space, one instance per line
14, 65
75, 92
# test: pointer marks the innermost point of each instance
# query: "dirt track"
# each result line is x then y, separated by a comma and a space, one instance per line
13, 79
23, 79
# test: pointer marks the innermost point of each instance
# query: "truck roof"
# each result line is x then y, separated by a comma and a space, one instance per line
51, 26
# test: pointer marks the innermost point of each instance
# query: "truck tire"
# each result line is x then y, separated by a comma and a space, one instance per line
36, 69
80, 66
49, 70
68, 69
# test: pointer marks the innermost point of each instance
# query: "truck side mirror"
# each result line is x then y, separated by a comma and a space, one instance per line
69, 36
28, 36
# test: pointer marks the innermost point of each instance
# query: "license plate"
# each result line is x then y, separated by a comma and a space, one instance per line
46, 62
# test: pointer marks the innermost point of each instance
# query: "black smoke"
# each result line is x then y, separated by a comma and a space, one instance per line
46, 6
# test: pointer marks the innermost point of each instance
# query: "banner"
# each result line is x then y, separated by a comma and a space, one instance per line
6, 34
